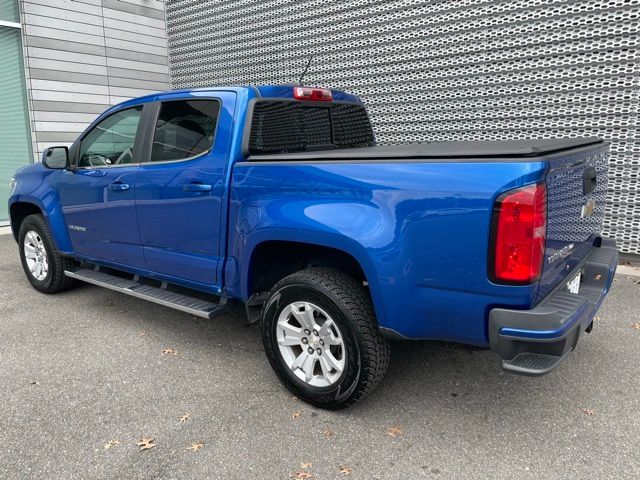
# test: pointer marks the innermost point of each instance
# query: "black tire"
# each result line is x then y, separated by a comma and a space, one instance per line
347, 302
55, 280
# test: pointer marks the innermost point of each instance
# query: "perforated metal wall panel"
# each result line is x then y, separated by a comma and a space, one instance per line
442, 69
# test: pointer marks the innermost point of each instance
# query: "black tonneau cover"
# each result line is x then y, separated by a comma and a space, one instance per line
440, 150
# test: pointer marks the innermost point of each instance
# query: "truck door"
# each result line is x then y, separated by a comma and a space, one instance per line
180, 187
97, 195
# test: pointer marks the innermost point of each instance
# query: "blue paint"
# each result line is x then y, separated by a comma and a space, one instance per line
394, 219
179, 224
108, 216
419, 230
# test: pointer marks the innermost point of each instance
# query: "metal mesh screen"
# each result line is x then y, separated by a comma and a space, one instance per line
285, 126
442, 69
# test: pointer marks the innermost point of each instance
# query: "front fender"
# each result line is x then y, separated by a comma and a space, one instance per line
33, 187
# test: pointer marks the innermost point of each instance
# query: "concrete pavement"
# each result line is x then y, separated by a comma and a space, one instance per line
85, 367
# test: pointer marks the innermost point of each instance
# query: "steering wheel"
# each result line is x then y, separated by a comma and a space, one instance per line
121, 158
95, 160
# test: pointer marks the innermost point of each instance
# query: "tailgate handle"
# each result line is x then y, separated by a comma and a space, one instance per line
589, 180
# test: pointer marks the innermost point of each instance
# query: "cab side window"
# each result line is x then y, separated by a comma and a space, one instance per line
184, 129
112, 140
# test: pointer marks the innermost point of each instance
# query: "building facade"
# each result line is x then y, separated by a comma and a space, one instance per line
435, 70
63, 62
428, 70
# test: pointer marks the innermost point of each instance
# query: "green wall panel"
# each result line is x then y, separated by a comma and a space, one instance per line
15, 137
9, 11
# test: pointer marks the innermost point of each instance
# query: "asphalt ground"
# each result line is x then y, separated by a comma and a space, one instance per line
85, 367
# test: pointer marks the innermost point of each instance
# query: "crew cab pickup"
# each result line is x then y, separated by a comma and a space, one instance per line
279, 198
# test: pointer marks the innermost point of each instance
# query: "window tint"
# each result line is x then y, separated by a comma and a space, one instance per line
184, 129
111, 141
291, 126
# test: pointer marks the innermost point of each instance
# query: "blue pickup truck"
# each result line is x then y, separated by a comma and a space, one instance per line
278, 197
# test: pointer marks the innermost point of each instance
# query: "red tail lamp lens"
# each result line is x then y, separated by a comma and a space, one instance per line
520, 231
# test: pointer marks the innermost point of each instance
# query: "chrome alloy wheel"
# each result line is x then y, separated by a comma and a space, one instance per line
311, 344
36, 255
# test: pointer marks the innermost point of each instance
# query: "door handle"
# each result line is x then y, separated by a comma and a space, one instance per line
118, 187
196, 187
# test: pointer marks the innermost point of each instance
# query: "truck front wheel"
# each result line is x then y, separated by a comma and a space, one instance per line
43, 264
321, 337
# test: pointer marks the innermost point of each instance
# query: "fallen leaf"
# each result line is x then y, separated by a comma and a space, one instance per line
296, 414
185, 417
195, 446
111, 443
305, 465
394, 432
169, 351
636, 326
300, 475
344, 470
145, 443
327, 432
589, 411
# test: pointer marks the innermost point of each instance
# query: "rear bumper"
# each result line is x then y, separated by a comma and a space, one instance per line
534, 342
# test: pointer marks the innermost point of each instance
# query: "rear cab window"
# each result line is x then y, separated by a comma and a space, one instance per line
284, 125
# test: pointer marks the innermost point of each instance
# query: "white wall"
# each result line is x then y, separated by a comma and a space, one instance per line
81, 56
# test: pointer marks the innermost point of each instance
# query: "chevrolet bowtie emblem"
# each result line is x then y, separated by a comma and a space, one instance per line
587, 208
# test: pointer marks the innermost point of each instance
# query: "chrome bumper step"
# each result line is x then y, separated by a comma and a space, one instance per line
161, 296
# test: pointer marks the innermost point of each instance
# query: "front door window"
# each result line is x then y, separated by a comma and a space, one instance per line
111, 142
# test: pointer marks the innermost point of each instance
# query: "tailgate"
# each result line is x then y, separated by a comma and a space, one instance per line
576, 194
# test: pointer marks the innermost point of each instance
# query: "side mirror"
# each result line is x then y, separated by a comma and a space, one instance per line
56, 157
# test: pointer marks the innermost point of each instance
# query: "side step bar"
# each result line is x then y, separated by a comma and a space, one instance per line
162, 296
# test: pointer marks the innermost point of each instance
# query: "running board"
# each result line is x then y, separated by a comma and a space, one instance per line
161, 296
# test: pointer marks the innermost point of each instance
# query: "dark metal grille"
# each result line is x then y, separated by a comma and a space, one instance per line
351, 126
287, 126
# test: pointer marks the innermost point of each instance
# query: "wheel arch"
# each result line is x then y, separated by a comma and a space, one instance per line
292, 255
24, 206
272, 260
18, 211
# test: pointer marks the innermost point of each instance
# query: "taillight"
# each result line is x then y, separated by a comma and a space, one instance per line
310, 93
519, 234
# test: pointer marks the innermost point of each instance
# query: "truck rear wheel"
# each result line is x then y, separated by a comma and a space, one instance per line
321, 337
43, 264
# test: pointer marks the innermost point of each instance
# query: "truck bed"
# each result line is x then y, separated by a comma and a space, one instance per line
469, 151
